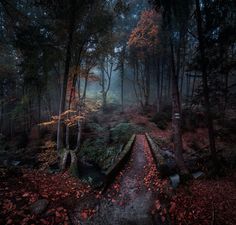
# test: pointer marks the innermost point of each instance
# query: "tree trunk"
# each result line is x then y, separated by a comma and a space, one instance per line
161, 84
226, 92
205, 85
176, 117
78, 137
68, 52
39, 106
147, 84
193, 87
1, 110
104, 99
122, 86
66, 72
59, 130
158, 85
85, 88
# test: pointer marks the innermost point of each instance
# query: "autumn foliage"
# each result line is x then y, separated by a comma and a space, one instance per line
144, 38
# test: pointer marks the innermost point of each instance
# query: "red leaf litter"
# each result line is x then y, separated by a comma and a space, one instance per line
18, 193
152, 178
205, 202
201, 202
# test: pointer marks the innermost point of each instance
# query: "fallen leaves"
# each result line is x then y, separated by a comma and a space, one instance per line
172, 208
19, 193
158, 204
195, 206
86, 213
204, 199
8, 205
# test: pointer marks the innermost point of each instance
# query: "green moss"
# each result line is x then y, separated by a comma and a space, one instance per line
104, 149
123, 132
74, 170
95, 127
62, 151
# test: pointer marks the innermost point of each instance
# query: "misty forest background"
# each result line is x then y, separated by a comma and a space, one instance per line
58, 56
79, 77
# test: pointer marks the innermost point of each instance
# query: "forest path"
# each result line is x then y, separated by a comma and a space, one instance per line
130, 199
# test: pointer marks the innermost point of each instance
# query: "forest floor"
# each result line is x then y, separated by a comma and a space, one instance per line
133, 197
137, 196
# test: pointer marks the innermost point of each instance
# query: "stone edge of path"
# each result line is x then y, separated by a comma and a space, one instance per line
159, 159
120, 161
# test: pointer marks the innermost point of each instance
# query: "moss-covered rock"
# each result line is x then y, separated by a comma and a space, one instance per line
74, 165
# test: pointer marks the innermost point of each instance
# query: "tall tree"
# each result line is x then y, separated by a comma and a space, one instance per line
175, 15
143, 43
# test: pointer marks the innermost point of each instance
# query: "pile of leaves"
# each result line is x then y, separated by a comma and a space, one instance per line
20, 191
205, 202
154, 183
152, 178
48, 155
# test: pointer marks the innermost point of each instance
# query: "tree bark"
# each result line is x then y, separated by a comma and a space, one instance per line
158, 72
66, 71
147, 84
176, 117
205, 84
68, 52
122, 86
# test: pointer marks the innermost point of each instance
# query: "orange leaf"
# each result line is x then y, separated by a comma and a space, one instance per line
84, 215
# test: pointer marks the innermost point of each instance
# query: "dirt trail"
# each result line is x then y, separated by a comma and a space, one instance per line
129, 200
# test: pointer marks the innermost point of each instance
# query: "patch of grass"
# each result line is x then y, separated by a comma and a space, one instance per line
123, 131
97, 151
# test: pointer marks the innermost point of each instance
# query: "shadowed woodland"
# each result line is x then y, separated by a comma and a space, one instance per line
118, 112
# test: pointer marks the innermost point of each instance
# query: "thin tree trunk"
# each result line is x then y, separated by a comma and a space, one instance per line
226, 92
66, 72
68, 52
147, 84
67, 137
176, 117
162, 83
122, 86
59, 140
134, 83
2, 110
193, 88
158, 85
205, 85
85, 88
104, 100
39, 107
78, 137
169, 84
